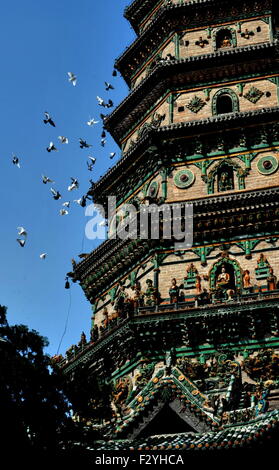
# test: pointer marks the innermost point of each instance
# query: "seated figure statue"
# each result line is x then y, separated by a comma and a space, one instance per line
223, 279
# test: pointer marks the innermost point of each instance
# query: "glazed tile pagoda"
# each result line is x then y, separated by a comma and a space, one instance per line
184, 349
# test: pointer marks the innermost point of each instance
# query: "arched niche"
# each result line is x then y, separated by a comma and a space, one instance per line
224, 37
226, 176
232, 268
225, 101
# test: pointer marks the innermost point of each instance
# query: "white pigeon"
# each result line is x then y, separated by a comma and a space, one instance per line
112, 154
51, 147
43, 255
93, 159
72, 78
91, 122
101, 102
103, 142
22, 231
16, 161
46, 179
63, 140
66, 204
21, 242
63, 212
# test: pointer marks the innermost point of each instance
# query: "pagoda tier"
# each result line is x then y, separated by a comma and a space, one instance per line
179, 26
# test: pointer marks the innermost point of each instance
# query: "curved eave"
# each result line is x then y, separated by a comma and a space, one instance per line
183, 129
180, 72
168, 18
224, 203
137, 10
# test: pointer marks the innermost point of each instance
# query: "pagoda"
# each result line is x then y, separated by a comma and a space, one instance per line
184, 343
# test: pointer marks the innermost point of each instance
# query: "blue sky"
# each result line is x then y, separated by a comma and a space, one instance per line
40, 42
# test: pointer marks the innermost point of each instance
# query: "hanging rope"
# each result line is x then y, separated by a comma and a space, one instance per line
67, 320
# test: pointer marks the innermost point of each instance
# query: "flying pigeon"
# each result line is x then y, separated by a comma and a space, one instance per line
114, 73
112, 154
22, 231
63, 212
103, 117
51, 147
74, 185
91, 122
21, 242
43, 255
81, 201
56, 194
101, 102
16, 161
103, 135
84, 144
93, 160
72, 78
108, 86
63, 140
66, 204
48, 119
90, 166
46, 179
103, 142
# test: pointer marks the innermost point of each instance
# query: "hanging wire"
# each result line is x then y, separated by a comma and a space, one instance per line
67, 320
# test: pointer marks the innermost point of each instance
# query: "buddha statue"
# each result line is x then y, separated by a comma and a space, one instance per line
223, 279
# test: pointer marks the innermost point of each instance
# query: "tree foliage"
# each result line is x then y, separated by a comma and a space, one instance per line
33, 405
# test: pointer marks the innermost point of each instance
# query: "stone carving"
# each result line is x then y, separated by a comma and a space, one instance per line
246, 280
196, 104
201, 42
253, 95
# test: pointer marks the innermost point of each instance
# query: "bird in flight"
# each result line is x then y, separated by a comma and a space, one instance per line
112, 154
91, 122
73, 185
81, 201
21, 242
83, 144
63, 140
51, 147
46, 179
56, 194
66, 204
101, 102
22, 232
43, 255
63, 212
16, 161
48, 119
103, 142
108, 86
72, 78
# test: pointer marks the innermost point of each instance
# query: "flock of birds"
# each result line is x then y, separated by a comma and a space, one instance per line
74, 183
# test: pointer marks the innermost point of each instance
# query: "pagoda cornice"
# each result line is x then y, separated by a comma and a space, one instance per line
170, 17
156, 319
170, 74
153, 137
138, 9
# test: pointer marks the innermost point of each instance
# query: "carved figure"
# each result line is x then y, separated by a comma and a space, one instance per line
150, 293
246, 279
225, 182
174, 292
198, 284
223, 279
226, 42
271, 280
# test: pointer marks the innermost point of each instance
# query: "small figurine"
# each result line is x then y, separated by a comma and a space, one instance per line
225, 182
198, 284
246, 280
271, 280
174, 292
226, 42
201, 42
150, 294
223, 279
